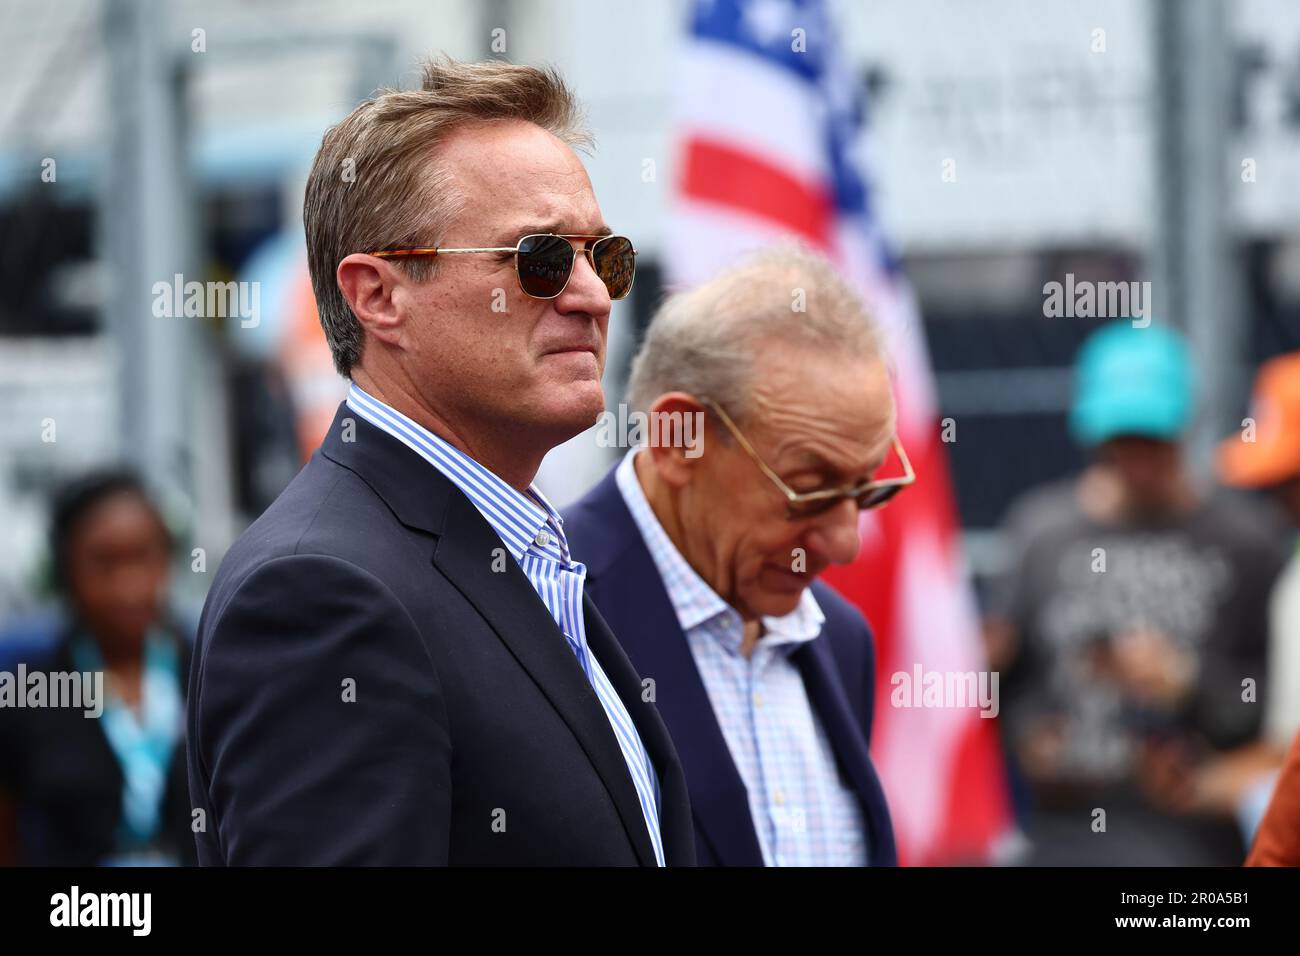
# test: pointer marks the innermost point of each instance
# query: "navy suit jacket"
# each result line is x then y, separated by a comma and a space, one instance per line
838, 669
375, 681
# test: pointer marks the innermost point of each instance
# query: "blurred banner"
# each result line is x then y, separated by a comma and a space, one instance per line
769, 124
290, 337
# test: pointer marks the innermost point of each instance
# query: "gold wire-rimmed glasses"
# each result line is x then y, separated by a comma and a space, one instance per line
869, 494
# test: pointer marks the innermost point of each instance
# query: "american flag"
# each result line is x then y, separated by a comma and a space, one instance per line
770, 129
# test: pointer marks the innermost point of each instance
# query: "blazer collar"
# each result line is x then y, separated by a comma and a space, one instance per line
415, 491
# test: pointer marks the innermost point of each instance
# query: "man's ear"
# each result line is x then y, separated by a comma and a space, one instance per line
675, 434
368, 283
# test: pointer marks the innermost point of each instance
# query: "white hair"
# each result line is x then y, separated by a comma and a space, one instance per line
705, 341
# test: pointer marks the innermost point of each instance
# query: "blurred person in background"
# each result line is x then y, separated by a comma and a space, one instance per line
1133, 610
1265, 455
111, 790
703, 556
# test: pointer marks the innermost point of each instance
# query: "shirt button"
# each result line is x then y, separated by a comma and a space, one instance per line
779, 797
758, 700
542, 539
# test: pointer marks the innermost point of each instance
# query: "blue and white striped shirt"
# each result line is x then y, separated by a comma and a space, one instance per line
803, 814
533, 533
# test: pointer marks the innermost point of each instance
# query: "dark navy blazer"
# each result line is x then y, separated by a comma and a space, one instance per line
838, 669
371, 685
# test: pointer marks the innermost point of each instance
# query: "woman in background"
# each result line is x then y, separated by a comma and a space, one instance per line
111, 790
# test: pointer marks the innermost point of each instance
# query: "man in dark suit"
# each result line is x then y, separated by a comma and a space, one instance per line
768, 431
396, 663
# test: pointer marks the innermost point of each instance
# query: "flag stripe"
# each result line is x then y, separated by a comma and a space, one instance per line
715, 172
742, 114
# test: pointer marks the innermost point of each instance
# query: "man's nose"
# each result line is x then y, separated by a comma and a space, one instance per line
835, 533
585, 292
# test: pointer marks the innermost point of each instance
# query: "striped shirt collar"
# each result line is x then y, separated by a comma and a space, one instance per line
693, 600
523, 520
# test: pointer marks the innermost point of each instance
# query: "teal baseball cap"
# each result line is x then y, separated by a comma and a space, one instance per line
1132, 381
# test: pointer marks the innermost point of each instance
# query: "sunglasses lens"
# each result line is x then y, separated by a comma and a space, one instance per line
615, 262
544, 264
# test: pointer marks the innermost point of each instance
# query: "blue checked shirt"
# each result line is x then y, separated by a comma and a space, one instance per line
533, 533
803, 815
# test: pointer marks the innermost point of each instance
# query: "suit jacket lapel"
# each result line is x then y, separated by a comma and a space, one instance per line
643, 619
817, 667
622, 578
422, 497
509, 603
674, 805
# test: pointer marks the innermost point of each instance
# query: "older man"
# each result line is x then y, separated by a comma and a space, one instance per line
705, 559
396, 663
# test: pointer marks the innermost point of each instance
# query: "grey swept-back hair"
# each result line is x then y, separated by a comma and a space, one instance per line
705, 341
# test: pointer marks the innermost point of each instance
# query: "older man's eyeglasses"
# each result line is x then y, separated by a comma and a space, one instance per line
544, 262
869, 494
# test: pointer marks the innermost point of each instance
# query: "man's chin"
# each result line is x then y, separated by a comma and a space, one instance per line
575, 409
776, 603
780, 593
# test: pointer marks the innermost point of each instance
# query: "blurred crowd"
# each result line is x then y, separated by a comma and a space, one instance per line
1147, 627
1147, 630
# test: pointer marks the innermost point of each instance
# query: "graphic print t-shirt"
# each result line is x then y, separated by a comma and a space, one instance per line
1077, 585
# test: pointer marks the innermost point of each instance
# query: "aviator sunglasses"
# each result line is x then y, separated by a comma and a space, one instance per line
544, 261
